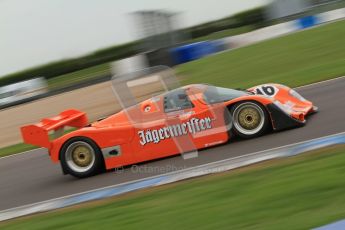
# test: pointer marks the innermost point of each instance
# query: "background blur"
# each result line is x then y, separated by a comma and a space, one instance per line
96, 56
59, 54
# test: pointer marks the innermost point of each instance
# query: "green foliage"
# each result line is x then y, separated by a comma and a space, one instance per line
70, 65
254, 17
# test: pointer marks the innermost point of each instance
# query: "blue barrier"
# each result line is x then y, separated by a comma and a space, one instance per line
307, 22
194, 51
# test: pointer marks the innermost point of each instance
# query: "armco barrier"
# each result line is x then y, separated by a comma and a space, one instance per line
65, 89
215, 167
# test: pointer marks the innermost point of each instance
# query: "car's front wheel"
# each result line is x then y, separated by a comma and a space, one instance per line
81, 157
250, 119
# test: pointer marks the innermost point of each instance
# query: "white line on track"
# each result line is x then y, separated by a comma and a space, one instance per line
320, 82
300, 87
167, 174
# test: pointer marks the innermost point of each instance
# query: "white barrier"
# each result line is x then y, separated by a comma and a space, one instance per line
22, 90
260, 35
278, 30
331, 15
129, 65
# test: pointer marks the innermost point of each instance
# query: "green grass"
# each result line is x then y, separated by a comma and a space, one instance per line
21, 147
225, 33
14, 149
296, 193
297, 59
79, 76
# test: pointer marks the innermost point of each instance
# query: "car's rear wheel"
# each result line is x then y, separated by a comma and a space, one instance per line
81, 157
250, 119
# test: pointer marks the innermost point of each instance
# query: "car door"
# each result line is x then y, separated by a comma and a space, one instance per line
201, 125
177, 108
155, 132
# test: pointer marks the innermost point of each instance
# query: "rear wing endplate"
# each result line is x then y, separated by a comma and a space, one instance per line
38, 134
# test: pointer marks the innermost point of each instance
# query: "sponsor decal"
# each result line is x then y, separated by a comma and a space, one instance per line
147, 109
192, 126
214, 143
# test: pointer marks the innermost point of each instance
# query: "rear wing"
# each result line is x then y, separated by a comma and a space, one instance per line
38, 134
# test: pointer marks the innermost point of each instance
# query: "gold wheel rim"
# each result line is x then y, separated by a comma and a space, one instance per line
249, 118
82, 156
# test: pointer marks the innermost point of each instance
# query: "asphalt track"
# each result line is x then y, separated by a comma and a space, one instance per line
31, 177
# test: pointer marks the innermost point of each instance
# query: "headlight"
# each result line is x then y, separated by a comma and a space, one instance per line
297, 95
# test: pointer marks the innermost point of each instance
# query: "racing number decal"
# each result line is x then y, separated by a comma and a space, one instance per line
267, 90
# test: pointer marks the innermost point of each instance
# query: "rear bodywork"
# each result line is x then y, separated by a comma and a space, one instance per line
149, 131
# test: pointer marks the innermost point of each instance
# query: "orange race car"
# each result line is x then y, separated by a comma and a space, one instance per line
180, 121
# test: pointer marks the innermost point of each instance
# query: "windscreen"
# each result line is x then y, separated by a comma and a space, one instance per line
214, 94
